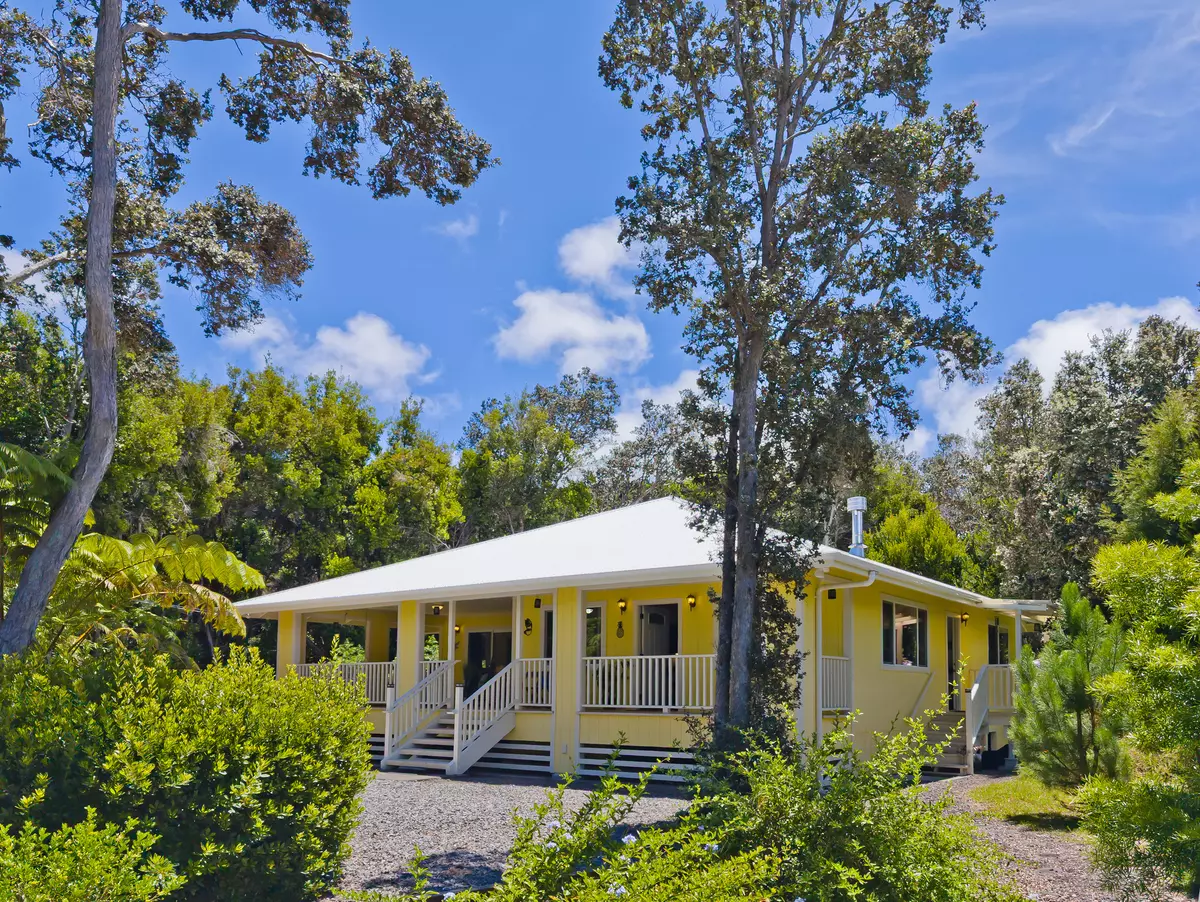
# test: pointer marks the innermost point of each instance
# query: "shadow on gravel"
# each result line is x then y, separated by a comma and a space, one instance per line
1049, 823
447, 870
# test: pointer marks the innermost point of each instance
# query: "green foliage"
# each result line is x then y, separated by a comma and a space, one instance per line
27, 485
250, 782
845, 826
82, 863
923, 542
1064, 731
520, 456
127, 590
1146, 829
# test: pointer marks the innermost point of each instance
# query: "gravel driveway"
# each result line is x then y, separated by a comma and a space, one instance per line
463, 825
1050, 867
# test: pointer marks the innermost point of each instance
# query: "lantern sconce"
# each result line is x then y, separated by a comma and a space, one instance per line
537, 602
965, 617
691, 600
622, 605
528, 626
620, 629
457, 630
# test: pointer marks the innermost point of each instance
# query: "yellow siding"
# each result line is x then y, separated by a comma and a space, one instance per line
379, 625
648, 730
532, 726
697, 626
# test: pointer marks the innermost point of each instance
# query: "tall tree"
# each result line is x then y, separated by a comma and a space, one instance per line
117, 126
646, 465
794, 192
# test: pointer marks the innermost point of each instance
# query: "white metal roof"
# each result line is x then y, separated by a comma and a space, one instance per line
642, 544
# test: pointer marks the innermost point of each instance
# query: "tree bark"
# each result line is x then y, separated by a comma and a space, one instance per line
728, 550
99, 350
745, 405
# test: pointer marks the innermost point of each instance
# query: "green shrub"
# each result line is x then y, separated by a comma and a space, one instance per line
82, 863
847, 826
251, 783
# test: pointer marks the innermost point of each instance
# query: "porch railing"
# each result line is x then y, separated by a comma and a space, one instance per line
835, 683
408, 713
427, 667
662, 682
379, 675
535, 678
992, 690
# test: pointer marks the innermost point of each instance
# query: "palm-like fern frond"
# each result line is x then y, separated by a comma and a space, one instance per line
106, 580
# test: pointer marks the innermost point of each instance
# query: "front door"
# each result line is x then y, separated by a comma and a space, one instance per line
953, 655
997, 644
660, 629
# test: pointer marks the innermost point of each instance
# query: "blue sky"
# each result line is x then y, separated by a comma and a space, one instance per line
1093, 109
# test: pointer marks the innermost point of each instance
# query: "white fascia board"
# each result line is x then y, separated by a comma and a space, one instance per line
897, 576
610, 580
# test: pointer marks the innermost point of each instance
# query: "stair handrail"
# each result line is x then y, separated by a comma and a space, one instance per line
403, 716
486, 706
978, 702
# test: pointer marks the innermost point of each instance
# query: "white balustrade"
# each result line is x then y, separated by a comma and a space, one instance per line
536, 681
472, 716
379, 675
406, 714
1000, 687
650, 681
427, 667
835, 683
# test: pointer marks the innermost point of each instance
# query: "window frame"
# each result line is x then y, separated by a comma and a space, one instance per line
601, 606
916, 606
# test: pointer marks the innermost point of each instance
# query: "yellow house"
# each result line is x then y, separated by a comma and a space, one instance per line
538, 651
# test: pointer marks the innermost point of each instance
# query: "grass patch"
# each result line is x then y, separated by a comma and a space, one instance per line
1022, 799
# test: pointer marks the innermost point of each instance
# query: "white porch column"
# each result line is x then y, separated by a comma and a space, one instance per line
450, 637
1019, 622
516, 627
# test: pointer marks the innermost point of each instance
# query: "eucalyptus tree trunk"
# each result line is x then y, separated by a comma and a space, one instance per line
745, 408
99, 350
728, 552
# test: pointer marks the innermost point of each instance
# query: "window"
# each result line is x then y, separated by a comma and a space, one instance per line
905, 635
593, 646
547, 633
997, 644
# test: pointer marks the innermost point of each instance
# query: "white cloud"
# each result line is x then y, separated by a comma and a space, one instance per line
629, 417
593, 255
953, 408
365, 349
460, 229
573, 326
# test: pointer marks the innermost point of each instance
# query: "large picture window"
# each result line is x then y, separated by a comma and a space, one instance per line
905, 635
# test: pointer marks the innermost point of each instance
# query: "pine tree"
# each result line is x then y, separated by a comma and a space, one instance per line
1063, 732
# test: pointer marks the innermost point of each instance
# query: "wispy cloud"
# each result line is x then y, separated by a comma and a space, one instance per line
593, 255
460, 229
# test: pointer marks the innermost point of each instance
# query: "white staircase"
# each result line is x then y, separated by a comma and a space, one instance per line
988, 704
432, 727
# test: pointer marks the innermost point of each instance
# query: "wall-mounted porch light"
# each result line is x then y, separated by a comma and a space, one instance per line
537, 602
691, 600
622, 605
965, 617
437, 610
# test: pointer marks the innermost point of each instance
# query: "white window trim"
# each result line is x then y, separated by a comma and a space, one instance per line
603, 606
906, 668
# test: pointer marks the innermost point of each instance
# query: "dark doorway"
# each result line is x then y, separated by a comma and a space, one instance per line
660, 629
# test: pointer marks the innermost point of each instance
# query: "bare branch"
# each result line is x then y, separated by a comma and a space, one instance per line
236, 34
33, 269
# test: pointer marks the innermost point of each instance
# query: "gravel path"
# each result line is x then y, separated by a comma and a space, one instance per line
1050, 867
463, 825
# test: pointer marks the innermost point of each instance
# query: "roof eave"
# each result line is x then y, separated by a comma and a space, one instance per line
610, 579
